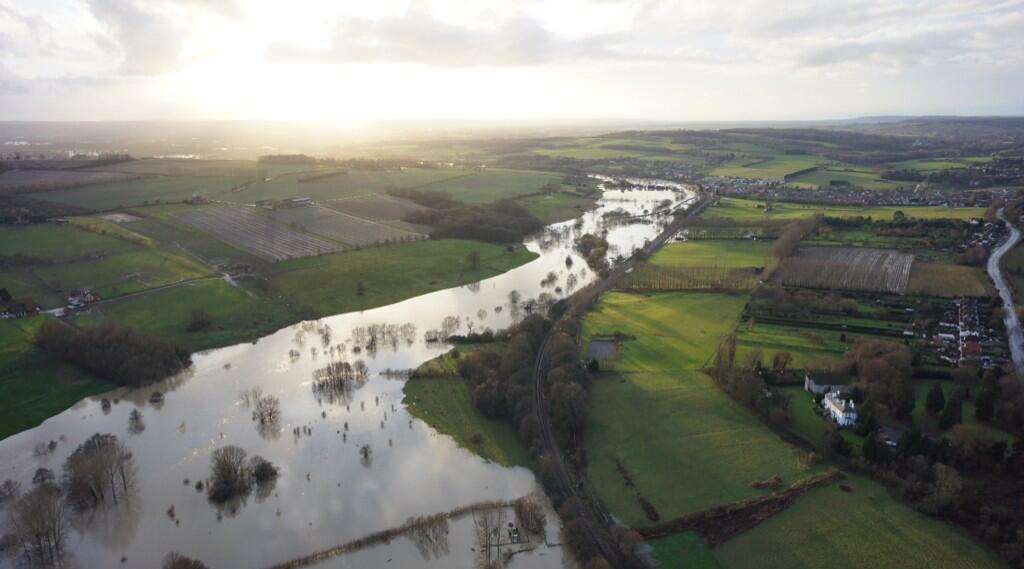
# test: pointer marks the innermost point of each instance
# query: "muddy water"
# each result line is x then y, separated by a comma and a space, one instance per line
328, 493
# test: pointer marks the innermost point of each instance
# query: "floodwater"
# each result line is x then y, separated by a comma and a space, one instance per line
328, 493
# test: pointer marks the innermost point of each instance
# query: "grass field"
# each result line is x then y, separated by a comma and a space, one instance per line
685, 444
77, 259
146, 190
33, 387
859, 177
445, 404
557, 207
806, 345
867, 527
237, 315
345, 184
492, 184
327, 283
683, 550
970, 426
948, 281
733, 254
753, 211
934, 165
771, 167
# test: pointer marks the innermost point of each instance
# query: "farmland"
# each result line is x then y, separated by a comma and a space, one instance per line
948, 281
346, 184
377, 207
19, 181
155, 189
700, 449
66, 258
774, 167
492, 184
871, 530
327, 284
858, 177
350, 230
843, 268
557, 207
33, 387
753, 211
245, 229
236, 314
733, 254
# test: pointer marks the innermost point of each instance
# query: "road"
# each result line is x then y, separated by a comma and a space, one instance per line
1010, 318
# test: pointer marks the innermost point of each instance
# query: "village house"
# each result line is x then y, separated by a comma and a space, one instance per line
841, 408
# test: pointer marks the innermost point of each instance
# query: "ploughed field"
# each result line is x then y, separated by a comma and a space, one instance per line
343, 227
843, 268
39, 180
259, 235
375, 206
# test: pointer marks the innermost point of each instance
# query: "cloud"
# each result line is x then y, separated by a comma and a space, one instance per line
149, 36
420, 37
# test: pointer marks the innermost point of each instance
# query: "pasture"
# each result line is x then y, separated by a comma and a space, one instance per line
259, 235
327, 284
774, 167
154, 189
948, 281
732, 254
863, 528
744, 210
23, 181
807, 345
32, 386
350, 230
345, 184
697, 447
685, 444
557, 207
854, 176
236, 314
842, 268
491, 184
67, 257
445, 404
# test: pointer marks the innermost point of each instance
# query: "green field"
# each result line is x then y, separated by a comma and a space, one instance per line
807, 345
445, 404
867, 527
771, 167
948, 281
327, 284
753, 211
33, 387
237, 314
154, 189
77, 259
687, 547
686, 445
733, 254
345, 184
492, 184
936, 164
557, 207
859, 177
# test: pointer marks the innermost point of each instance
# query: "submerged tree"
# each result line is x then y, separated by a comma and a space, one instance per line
39, 523
100, 468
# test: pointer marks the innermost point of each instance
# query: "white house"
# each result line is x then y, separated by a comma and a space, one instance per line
841, 408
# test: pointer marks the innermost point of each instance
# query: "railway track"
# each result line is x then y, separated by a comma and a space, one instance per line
567, 486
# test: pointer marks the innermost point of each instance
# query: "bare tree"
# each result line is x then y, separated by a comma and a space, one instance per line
230, 473
175, 560
99, 468
39, 523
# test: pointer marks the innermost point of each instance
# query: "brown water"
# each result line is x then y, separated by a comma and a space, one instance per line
326, 494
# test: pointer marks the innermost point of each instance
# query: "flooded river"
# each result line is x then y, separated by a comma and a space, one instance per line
328, 492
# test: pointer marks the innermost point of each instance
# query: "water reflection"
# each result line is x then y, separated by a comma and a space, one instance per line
339, 387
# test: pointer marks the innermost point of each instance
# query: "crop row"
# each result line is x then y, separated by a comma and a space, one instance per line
874, 270
261, 236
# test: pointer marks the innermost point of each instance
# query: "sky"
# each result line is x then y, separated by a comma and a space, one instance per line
345, 61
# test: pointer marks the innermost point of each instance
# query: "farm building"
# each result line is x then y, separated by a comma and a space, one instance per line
821, 384
841, 407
